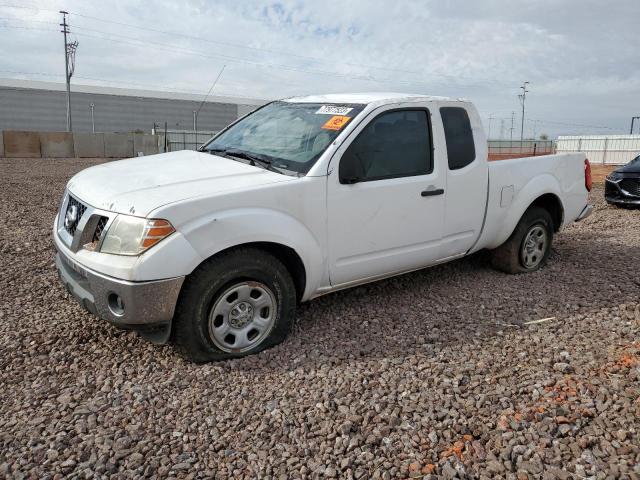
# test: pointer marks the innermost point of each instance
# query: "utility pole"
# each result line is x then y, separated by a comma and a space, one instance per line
69, 63
523, 98
501, 128
513, 116
489, 130
93, 123
633, 119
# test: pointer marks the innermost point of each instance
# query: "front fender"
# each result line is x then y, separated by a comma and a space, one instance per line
221, 230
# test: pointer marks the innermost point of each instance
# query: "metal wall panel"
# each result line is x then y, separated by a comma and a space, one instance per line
19, 144
611, 149
45, 110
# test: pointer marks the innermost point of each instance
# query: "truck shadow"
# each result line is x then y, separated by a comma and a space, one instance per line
461, 301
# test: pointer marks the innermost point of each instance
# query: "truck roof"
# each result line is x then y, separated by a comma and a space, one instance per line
368, 97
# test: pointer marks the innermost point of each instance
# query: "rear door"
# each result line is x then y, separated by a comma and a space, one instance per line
466, 177
385, 197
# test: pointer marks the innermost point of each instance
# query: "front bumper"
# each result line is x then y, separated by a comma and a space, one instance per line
145, 306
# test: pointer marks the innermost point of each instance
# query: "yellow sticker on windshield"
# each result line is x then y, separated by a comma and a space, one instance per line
336, 122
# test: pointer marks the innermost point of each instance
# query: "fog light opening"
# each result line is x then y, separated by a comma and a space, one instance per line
116, 304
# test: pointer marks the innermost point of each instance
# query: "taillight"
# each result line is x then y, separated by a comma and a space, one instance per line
588, 182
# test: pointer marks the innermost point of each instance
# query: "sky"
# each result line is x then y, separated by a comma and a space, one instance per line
581, 57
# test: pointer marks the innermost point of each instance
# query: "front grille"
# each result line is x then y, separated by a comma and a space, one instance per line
630, 185
102, 223
75, 210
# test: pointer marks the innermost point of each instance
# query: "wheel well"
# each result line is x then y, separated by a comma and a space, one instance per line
288, 256
552, 204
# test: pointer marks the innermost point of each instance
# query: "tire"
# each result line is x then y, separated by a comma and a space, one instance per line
237, 293
523, 252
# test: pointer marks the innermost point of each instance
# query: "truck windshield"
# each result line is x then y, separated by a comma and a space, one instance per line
290, 136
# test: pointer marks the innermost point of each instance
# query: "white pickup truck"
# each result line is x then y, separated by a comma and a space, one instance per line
213, 249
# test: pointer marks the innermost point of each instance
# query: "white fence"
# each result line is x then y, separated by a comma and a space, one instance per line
613, 149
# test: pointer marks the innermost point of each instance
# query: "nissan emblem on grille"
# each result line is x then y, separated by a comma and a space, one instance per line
75, 211
71, 217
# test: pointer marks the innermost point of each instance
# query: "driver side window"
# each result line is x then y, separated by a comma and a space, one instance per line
394, 144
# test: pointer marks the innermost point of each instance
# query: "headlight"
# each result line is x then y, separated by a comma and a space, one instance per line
129, 235
614, 176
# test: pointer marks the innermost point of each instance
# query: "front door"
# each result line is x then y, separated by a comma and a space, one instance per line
385, 198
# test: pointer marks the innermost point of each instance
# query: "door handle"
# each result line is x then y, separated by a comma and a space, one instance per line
431, 193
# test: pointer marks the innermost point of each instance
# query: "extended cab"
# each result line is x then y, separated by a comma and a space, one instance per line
214, 248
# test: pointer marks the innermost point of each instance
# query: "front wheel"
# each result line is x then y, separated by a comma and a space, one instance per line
529, 246
235, 304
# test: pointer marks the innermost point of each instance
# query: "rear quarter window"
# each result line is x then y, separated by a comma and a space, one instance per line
461, 149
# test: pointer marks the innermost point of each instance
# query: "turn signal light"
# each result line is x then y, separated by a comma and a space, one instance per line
155, 231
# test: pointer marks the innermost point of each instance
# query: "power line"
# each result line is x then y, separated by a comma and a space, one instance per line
121, 82
369, 78
232, 95
125, 39
170, 48
216, 42
237, 45
565, 124
30, 20
200, 92
18, 27
27, 7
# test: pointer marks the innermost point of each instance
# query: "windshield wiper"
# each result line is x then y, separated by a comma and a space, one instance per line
248, 156
253, 158
216, 150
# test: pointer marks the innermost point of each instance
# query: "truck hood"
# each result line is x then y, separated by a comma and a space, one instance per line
137, 186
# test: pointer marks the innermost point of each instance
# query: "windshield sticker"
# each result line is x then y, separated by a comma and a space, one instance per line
336, 122
333, 110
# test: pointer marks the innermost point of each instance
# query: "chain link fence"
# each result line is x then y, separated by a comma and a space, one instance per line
503, 149
183, 139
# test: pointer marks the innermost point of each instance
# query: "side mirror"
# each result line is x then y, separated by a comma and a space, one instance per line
350, 170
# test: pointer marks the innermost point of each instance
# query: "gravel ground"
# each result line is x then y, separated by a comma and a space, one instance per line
433, 374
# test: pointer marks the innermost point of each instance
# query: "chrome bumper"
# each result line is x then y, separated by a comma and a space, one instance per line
137, 305
586, 211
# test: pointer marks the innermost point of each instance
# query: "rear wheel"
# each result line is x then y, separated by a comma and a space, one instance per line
529, 246
235, 304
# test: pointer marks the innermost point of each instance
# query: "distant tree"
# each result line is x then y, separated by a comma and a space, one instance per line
544, 136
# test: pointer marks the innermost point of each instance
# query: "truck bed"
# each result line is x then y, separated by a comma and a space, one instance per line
515, 182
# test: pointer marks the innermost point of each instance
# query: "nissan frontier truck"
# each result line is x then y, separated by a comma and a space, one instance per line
214, 249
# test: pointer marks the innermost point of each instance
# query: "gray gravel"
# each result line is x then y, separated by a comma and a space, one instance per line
435, 373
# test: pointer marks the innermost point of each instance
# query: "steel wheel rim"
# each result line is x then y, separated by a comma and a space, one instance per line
534, 246
242, 317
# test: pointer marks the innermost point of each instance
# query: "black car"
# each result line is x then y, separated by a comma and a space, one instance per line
622, 186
